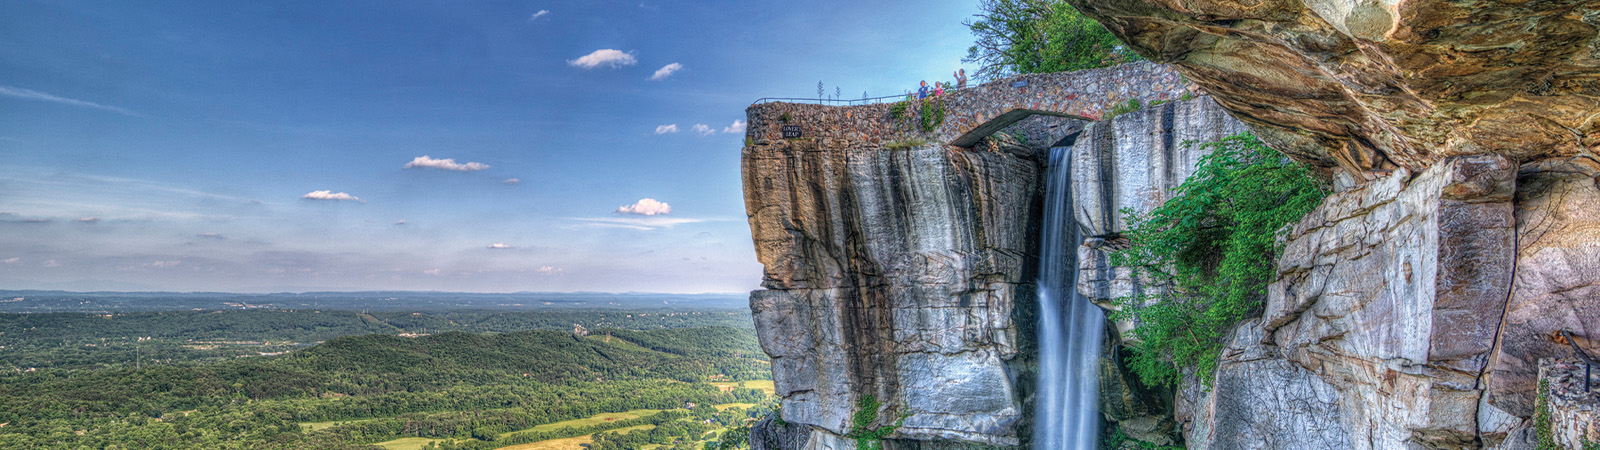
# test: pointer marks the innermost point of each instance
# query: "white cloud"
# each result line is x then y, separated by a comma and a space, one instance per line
445, 164
737, 127
36, 95
550, 270
401, 222
646, 207
512, 181
330, 195
703, 129
164, 264
664, 129
604, 57
666, 71
639, 223
89, 220
434, 272
52, 263
11, 260
500, 246
537, 15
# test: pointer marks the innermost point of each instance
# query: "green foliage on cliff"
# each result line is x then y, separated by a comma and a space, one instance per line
868, 438
1039, 36
1205, 257
932, 114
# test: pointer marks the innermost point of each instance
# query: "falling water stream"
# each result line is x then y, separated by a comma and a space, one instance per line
1066, 415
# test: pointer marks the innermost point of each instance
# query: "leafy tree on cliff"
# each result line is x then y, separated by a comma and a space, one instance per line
1036, 36
1206, 256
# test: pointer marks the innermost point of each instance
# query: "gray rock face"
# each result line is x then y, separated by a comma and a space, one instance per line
1558, 276
1391, 293
1133, 162
1260, 401
896, 274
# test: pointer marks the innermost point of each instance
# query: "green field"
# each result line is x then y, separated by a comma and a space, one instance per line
574, 443
592, 420
763, 385
410, 443
314, 426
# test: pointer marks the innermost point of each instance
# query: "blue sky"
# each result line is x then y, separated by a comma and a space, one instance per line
173, 145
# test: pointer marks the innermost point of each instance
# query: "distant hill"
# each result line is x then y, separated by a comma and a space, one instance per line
30, 301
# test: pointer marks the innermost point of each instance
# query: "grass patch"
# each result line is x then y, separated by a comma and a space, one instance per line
725, 406
314, 426
907, 143
1121, 108
764, 385
591, 420
410, 443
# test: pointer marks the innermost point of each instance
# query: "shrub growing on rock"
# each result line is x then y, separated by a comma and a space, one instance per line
1205, 257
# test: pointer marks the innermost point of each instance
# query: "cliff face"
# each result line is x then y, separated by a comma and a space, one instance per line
902, 268
1412, 308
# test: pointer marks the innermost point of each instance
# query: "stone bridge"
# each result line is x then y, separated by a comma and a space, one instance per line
976, 112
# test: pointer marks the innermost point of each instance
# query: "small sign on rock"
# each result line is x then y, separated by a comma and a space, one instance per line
791, 131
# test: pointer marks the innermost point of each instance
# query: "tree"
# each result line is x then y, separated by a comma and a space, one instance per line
1205, 256
1036, 36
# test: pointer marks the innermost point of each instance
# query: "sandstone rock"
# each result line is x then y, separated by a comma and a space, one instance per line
1558, 276
1133, 162
1392, 293
907, 273
1369, 86
1572, 405
1260, 401
894, 273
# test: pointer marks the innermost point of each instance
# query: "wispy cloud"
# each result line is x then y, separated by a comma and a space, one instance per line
500, 246
550, 270
217, 236
703, 129
537, 15
330, 195
604, 57
640, 223
646, 207
30, 94
664, 129
426, 162
737, 127
401, 222
666, 71
512, 181
88, 220
11, 260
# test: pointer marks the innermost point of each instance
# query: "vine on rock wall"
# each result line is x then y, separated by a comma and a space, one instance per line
868, 438
1205, 257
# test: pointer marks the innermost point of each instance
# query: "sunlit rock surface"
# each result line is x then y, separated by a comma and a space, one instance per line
1374, 85
1461, 136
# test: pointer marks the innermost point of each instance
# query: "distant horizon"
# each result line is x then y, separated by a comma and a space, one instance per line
9, 291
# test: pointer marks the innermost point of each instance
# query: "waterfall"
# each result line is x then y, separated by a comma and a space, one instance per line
1066, 409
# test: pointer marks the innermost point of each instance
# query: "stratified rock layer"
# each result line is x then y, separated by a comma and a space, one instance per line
1462, 136
1370, 86
902, 268
896, 274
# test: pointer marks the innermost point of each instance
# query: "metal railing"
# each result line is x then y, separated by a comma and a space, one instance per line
843, 102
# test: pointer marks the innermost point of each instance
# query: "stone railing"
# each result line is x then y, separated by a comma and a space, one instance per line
975, 112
